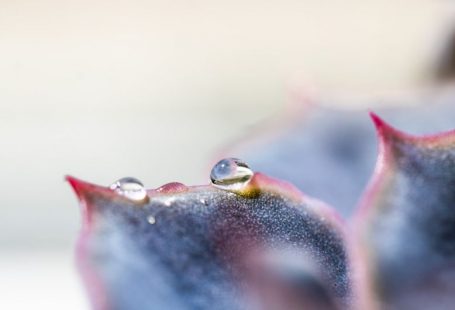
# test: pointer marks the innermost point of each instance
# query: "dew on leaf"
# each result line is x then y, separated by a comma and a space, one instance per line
129, 187
230, 174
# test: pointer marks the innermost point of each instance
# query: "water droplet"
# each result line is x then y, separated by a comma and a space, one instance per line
168, 202
174, 187
130, 188
151, 219
231, 174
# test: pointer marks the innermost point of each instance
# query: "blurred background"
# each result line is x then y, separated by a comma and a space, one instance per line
154, 89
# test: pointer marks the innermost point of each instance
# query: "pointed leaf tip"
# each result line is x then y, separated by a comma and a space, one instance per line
85, 189
385, 130
378, 122
78, 186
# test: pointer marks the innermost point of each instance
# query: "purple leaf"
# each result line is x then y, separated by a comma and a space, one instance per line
329, 153
406, 222
265, 246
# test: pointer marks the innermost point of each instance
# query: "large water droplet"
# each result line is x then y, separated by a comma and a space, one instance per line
231, 174
130, 188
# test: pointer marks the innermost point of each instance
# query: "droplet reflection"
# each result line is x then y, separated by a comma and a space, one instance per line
231, 174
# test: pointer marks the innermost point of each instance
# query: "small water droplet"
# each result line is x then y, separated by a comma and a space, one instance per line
173, 187
151, 219
130, 188
231, 174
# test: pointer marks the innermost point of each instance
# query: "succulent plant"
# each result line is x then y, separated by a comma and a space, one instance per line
249, 241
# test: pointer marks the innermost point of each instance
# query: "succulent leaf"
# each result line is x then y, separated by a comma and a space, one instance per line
329, 153
406, 222
266, 246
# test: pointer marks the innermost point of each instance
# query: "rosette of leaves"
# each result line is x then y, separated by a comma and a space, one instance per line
249, 241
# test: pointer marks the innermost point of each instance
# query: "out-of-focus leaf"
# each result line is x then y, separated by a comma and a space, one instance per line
329, 153
406, 222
